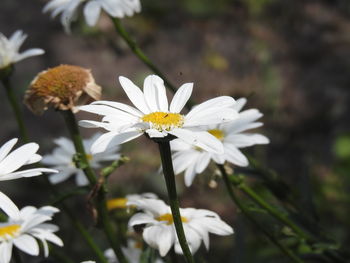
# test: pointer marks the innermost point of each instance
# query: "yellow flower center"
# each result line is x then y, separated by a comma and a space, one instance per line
116, 203
9, 230
219, 134
169, 218
164, 120
89, 157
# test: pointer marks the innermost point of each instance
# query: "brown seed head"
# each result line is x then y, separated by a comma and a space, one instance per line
62, 87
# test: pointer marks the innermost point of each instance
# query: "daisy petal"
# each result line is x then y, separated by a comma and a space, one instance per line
155, 94
92, 12
112, 139
134, 94
8, 206
180, 98
218, 102
27, 244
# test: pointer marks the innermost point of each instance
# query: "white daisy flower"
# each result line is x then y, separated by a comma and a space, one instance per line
194, 160
156, 118
9, 49
24, 155
132, 253
92, 9
62, 160
121, 202
24, 227
160, 232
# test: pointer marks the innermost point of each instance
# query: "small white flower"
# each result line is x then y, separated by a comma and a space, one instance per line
132, 253
62, 160
9, 49
160, 233
121, 202
24, 155
154, 116
24, 227
92, 9
194, 160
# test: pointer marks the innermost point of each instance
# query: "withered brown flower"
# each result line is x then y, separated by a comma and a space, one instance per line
63, 87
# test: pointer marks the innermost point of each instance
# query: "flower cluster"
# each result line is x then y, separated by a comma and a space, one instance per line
193, 160
159, 231
62, 156
92, 9
24, 226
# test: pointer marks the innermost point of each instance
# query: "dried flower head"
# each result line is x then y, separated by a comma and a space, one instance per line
62, 87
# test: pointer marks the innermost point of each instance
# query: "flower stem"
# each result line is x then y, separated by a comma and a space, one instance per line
86, 235
167, 164
101, 204
16, 109
141, 55
283, 218
246, 212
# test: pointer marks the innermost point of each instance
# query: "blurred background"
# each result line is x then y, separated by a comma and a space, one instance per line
291, 59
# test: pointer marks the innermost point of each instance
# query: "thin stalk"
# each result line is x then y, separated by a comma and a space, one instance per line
79, 146
101, 197
16, 109
283, 218
86, 235
168, 170
141, 55
246, 212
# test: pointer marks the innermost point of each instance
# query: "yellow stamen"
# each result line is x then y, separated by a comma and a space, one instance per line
9, 230
89, 157
138, 245
219, 134
169, 218
116, 203
164, 121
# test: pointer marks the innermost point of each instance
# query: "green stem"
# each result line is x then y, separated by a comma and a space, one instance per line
283, 218
86, 235
167, 164
101, 197
139, 53
79, 146
246, 212
16, 109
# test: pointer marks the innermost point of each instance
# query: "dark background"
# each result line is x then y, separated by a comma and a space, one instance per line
291, 59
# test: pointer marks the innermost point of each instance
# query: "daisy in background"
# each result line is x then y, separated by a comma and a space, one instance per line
62, 159
9, 49
152, 115
92, 9
159, 231
24, 227
233, 135
10, 162
121, 202
132, 253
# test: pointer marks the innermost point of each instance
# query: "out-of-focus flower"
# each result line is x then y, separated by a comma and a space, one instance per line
132, 253
156, 118
160, 233
9, 49
121, 202
62, 160
24, 227
24, 155
92, 9
193, 160
63, 87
